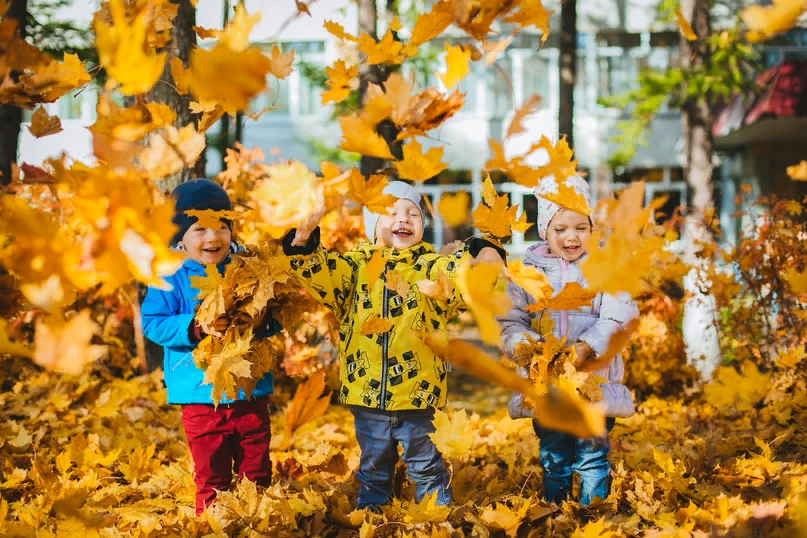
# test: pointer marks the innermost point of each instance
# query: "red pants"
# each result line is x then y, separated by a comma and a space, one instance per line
232, 434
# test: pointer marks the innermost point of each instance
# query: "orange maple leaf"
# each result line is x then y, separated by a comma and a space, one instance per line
440, 288
571, 297
528, 107
375, 324
375, 266
359, 137
419, 166
308, 403
280, 64
43, 124
370, 192
341, 80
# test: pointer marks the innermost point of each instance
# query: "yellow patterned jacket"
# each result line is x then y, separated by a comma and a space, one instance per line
392, 370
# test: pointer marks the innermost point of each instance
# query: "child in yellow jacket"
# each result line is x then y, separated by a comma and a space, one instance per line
391, 380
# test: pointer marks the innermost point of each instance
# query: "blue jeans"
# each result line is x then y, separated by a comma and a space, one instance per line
378, 433
563, 454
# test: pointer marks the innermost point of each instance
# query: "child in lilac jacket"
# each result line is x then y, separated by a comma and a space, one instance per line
565, 234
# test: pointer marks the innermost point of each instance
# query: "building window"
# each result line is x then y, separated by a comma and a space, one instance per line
276, 95
499, 95
616, 74
310, 101
70, 105
535, 78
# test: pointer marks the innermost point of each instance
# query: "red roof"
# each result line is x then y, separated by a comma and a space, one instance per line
783, 95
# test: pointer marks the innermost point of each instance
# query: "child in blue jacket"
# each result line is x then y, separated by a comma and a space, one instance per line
236, 432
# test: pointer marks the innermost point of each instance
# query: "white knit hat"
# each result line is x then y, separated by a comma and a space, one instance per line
547, 209
398, 189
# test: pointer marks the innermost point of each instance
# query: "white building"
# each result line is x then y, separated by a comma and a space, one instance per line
617, 39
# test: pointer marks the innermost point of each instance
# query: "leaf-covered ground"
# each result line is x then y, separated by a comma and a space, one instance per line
86, 457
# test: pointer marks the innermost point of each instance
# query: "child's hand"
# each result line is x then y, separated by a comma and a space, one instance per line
583, 352
217, 328
305, 229
488, 255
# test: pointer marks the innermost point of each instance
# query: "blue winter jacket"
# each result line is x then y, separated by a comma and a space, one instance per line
167, 316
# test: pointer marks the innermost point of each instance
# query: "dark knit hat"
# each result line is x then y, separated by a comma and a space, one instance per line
197, 194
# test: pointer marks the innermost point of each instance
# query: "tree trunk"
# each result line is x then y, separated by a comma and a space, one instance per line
700, 324
567, 66
11, 116
183, 39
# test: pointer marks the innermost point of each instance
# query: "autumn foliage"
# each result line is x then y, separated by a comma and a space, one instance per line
90, 448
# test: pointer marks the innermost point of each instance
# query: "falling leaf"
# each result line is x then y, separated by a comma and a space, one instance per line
341, 80
531, 280
453, 208
396, 283
180, 75
477, 284
684, 26
571, 297
287, 198
527, 108
334, 182
492, 49
798, 172
370, 192
456, 65
387, 51
529, 14
338, 31
374, 324
280, 64
246, 75
616, 344
765, 22
489, 194
441, 288
123, 52
211, 218
171, 150
568, 198
419, 166
359, 137
236, 35
64, 346
43, 125
375, 266
430, 25
307, 404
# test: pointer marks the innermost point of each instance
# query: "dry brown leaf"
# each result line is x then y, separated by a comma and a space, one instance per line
308, 403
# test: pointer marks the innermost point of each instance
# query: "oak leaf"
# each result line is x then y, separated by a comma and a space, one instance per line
43, 124
375, 324
419, 166
453, 208
308, 403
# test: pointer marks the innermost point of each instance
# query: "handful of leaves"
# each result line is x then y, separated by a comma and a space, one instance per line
550, 362
257, 283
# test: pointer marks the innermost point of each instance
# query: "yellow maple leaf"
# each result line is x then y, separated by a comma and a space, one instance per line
740, 391
334, 182
440, 289
427, 510
798, 172
375, 266
765, 22
341, 80
370, 192
453, 208
430, 25
792, 358
531, 280
531, 13
246, 76
388, 50
684, 26
208, 283
477, 284
287, 198
228, 370
375, 324
124, 52
457, 68
453, 435
359, 137
528, 107
396, 283
560, 163
307, 404
419, 166
338, 31
9, 346
571, 297
280, 65
596, 529
236, 34
64, 346
568, 198
797, 280
502, 517
43, 124
500, 218
171, 150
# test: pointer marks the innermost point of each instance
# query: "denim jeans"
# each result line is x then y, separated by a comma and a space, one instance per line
378, 433
563, 454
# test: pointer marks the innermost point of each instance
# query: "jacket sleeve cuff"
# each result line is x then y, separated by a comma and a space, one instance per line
476, 244
304, 250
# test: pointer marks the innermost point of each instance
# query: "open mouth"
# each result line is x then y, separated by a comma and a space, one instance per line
402, 234
571, 250
212, 250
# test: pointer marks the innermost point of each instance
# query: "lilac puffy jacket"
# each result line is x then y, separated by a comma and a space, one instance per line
593, 324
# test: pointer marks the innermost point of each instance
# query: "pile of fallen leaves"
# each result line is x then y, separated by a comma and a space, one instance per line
93, 455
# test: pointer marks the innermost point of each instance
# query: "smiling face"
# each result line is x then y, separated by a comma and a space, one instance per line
567, 234
402, 227
206, 245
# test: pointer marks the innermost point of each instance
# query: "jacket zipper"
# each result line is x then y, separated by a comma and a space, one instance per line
384, 348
